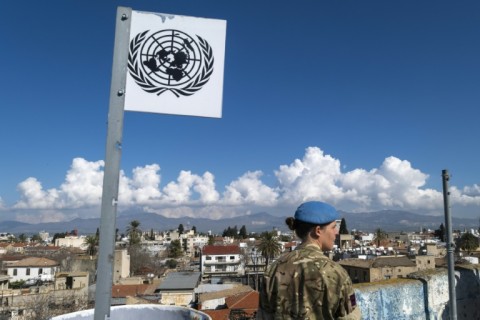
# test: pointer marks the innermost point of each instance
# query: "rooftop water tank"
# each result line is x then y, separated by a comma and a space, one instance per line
141, 311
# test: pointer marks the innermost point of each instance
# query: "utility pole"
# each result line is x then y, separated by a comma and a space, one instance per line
450, 247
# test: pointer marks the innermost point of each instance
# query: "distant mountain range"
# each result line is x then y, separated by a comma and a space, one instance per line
388, 220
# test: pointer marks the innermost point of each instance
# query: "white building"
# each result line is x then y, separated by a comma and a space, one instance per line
121, 265
222, 261
71, 242
32, 268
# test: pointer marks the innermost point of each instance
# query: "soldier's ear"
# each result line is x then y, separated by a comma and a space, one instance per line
318, 231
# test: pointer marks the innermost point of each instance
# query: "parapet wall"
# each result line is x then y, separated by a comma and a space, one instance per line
423, 295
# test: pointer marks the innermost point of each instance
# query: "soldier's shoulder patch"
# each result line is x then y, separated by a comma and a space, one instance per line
353, 300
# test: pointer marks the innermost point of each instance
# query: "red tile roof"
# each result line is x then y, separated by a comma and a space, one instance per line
247, 301
222, 314
130, 290
219, 250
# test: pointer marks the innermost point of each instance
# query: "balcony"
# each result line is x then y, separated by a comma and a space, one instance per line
222, 262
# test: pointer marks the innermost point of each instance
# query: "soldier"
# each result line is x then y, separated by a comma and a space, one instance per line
305, 284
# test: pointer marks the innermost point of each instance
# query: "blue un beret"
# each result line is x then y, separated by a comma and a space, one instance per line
316, 212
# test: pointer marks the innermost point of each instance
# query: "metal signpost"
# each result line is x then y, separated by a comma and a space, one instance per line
103, 291
161, 64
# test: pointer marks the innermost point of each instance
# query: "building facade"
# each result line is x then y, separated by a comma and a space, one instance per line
32, 268
221, 261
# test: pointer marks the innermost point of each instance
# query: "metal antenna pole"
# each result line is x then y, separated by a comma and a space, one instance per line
450, 247
103, 292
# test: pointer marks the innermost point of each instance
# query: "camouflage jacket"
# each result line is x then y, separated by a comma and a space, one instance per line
305, 284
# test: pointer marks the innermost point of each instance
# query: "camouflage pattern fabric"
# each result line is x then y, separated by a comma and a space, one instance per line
305, 284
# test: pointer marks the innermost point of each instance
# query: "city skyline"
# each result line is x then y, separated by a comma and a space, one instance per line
361, 105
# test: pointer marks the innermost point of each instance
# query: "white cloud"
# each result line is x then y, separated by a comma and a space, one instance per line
395, 184
34, 197
249, 189
83, 184
43, 216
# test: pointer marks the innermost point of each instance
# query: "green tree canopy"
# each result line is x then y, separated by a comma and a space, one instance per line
379, 236
181, 229
171, 263
36, 238
468, 242
91, 242
343, 227
440, 233
269, 246
243, 232
175, 249
232, 232
134, 233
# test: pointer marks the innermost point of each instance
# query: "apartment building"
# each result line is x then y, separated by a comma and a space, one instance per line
221, 261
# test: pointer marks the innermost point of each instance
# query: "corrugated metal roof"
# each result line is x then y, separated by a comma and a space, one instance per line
180, 281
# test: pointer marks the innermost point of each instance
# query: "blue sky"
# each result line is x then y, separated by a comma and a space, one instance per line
357, 103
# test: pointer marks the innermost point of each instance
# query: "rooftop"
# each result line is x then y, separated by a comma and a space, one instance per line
34, 262
221, 250
379, 262
180, 281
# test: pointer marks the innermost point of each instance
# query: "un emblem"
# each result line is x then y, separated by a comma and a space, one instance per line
170, 60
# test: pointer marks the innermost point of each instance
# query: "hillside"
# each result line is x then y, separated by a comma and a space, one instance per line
388, 220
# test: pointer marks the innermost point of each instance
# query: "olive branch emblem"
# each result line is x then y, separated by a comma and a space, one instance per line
148, 85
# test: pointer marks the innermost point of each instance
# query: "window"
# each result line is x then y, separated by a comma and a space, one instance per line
40, 271
14, 272
28, 272
232, 257
209, 258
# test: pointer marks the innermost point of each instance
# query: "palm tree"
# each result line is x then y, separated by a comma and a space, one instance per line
379, 236
91, 242
269, 246
134, 232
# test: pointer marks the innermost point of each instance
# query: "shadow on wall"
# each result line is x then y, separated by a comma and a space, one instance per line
423, 295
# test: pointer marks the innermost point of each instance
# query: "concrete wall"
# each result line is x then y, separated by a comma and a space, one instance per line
424, 295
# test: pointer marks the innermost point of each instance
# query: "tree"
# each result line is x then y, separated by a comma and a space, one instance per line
175, 249
343, 227
379, 236
440, 233
134, 232
243, 232
22, 237
91, 242
269, 246
180, 228
468, 242
194, 229
36, 238
211, 240
58, 235
171, 263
